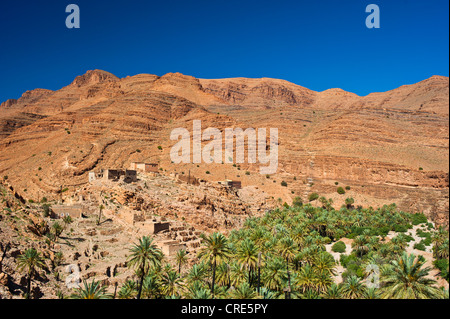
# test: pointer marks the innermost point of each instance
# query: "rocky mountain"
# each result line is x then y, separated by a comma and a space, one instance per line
386, 147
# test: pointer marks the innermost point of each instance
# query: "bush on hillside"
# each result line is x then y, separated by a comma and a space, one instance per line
338, 247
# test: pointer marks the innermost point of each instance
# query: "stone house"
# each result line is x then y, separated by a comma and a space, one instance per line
232, 184
144, 167
61, 211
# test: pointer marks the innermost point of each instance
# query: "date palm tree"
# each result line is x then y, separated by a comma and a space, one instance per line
181, 259
171, 283
349, 202
151, 289
307, 278
58, 229
274, 273
441, 248
29, 262
407, 279
353, 288
334, 291
215, 250
288, 252
197, 273
194, 289
360, 245
144, 255
247, 256
243, 291
237, 274
325, 263
91, 291
372, 293
202, 293
223, 271
128, 290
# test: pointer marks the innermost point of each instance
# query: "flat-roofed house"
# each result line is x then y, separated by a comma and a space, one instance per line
231, 183
145, 167
61, 211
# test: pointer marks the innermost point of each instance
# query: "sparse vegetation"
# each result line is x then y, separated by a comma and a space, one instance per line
312, 197
338, 247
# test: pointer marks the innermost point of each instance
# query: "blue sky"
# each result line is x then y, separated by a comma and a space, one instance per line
317, 44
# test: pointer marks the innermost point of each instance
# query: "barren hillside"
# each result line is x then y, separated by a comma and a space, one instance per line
387, 147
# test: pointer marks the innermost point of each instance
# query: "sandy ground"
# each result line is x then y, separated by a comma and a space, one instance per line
428, 254
337, 256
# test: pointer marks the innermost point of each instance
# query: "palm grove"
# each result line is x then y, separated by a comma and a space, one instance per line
283, 255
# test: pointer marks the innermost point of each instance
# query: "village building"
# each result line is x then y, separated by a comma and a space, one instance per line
170, 247
92, 177
232, 184
152, 226
128, 175
61, 211
189, 179
144, 167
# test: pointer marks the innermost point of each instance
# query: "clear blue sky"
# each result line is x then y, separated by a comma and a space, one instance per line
318, 44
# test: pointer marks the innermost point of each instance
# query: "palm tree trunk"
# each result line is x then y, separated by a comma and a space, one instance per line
115, 290
259, 279
99, 216
29, 285
289, 278
141, 283
213, 278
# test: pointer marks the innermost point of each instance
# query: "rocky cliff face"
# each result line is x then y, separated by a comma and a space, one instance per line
388, 147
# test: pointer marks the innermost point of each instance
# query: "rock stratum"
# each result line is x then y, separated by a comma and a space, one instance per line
387, 147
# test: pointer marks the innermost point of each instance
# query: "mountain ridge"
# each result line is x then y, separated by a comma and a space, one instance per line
390, 146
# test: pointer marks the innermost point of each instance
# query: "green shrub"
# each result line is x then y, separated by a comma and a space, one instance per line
383, 231
400, 228
419, 218
340, 191
338, 247
427, 237
442, 265
46, 210
313, 197
420, 246
347, 188
297, 202
349, 202
247, 173
283, 183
